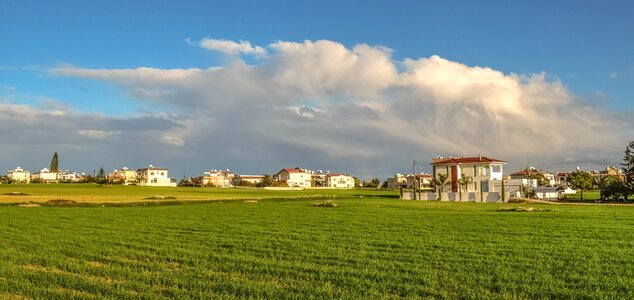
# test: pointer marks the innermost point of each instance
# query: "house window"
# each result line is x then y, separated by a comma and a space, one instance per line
151, 173
496, 168
162, 173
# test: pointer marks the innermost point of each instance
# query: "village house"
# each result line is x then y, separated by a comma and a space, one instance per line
398, 181
153, 176
482, 170
249, 179
19, 175
123, 176
421, 182
335, 180
294, 177
45, 176
217, 178
68, 176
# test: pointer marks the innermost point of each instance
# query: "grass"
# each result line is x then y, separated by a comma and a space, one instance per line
590, 196
367, 248
93, 193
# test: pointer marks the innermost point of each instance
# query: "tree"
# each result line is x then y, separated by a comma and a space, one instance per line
526, 191
357, 182
266, 181
628, 168
601, 182
374, 183
581, 180
54, 163
439, 183
101, 174
464, 182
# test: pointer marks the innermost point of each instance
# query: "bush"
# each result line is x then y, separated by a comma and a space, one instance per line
327, 203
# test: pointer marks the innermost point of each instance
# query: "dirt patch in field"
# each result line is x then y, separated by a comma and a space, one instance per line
16, 194
61, 202
30, 204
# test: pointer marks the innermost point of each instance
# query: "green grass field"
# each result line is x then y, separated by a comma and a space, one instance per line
366, 248
93, 193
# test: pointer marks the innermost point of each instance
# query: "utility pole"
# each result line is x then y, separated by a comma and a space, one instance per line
414, 177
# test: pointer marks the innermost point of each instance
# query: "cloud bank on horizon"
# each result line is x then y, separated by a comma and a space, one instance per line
320, 104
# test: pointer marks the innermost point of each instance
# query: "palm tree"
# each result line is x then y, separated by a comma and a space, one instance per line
440, 182
601, 182
464, 182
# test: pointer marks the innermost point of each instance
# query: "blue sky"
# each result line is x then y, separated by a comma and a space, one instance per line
587, 45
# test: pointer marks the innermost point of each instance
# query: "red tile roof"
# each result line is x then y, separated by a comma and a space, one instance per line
525, 172
467, 160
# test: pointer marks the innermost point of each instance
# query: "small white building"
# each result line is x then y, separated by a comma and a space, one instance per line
19, 175
251, 179
547, 192
153, 176
45, 176
294, 177
335, 180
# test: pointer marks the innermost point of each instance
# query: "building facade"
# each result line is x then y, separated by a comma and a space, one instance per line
294, 177
19, 175
153, 176
483, 171
339, 181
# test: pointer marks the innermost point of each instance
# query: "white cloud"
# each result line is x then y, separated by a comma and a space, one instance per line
614, 75
231, 47
98, 134
320, 104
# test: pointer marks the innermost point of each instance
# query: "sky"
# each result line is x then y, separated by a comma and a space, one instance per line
358, 87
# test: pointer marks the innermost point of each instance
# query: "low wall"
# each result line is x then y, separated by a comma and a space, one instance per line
271, 188
492, 197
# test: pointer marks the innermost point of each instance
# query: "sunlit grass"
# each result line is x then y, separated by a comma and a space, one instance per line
14, 193
276, 249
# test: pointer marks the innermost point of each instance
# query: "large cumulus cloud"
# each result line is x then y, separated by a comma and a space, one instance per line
321, 104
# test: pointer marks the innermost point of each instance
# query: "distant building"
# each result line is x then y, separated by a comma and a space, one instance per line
339, 180
45, 176
250, 179
123, 176
153, 176
19, 175
217, 178
613, 172
68, 176
398, 181
422, 182
294, 177
484, 171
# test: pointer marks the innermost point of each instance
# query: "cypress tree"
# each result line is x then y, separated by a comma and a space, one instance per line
54, 163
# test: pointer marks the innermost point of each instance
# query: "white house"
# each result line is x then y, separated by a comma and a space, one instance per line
19, 175
547, 192
335, 180
45, 176
482, 170
251, 179
153, 176
294, 177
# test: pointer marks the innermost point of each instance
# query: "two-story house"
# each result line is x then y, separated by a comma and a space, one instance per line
482, 170
19, 175
153, 176
335, 180
294, 177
